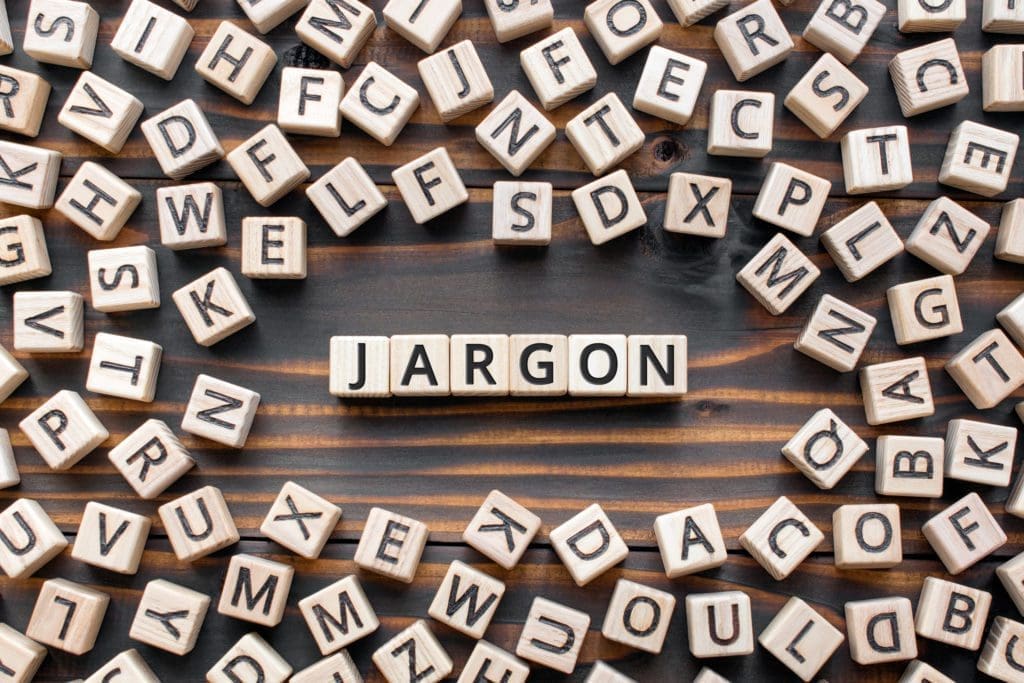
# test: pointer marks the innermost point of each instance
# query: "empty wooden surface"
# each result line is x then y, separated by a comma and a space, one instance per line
436, 459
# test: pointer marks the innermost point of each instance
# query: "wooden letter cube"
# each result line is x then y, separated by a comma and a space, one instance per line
152, 38
274, 248
781, 538
1002, 16
669, 85
920, 672
604, 134
791, 199
835, 334
521, 214
111, 538
911, 466
538, 364
267, 14
980, 452
479, 364
268, 165
338, 615
638, 616
456, 80
250, 659
1012, 319
191, 216
881, 630
876, 159
337, 667
597, 365
487, 662
360, 367
588, 544
988, 369
237, 62
706, 675
23, 250
867, 536
924, 309
1001, 89
413, 655
501, 529
420, 365
844, 27
12, 374
63, 430
123, 279
169, 617
553, 635
689, 12
198, 524
1011, 575
128, 665
928, 77
430, 185
979, 159
862, 242
826, 96
558, 68
48, 322
690, 540
1010, 239
952, 614
379, 103
622, 28
824, 449
427, 29
1002, 655
719, 624
256, 590
1015, 501
346, 197
337, 31
656, 365
28, 175
300, 520
466, 599
801, 639
124, 367
948, 236
391, 545
150, 459
928, 16
9, 475
698, 205
609, 207
28, 539
100, 112
753, 39
182, 140
309, 100
515, 133
24, 96
61, 32
896, 391
6, 40
213, 307
741, 122
778, 275
220, 411
98, 201
22, 656
964, 533
67, 616
517, 18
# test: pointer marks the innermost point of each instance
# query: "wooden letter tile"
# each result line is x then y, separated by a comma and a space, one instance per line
706, 675
111, 538
426, 29
604, 134
588, 545
466, 599
689, 12
867, 536
98, 201
379, 103
896, 391
656, 365
964, 533
198, 524
1012, 319
150, 459
781, 538
824, 449
980, 452
669, 85
538, 364
911, 466
128, 665
124, 367
237, 62
609, 207
430, 185
948, 236
250, 659
1002, 16
801, 639
309, 100
603, 673
553, 635
182, 140
698, 205
719, 624
267, 14
597, 365
268, 165
515, 133
1003, 656
21, 657
456, 80
490, 663
1010, 239
420, 365
952, 614
9, 475
835, 334
256, 590
300, 520
690, 540
338, 668
638, 616
843, 27
1015, 501
920, 672
28, 539
876, 159
1011, 575
479, 364
336, 30
928, 77
558, 68
826, 96
924, 309
881, 630
413, 655
63, 430
213, 307
622, 28
988, 369
61, 32
926, 16
360, 367
220, 411
67, 616
346, 197
48, 322
979, 159
23, 253
338, 615
23, 96
1001, 89
791, 199
274, 247
152, 38
778, 275
518, 18
501, 529
123, 279
741, 122
391, 545
521, 214
862, 242
6, 40
753, 39
28, 175
100, 112
169, 617
191, 216
12, 374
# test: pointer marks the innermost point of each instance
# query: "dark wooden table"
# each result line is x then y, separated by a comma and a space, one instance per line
436, 459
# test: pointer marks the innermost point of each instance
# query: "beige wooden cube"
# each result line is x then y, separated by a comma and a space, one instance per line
123, 279
924, 309
928, 77
338, 615
1002, 16
558, 68
1011, 318
920, 672
690, 540
781, 538
128, 665
622, 29
48, 322
844, 28
867, 536
638, 616
23, 240
111, 538
67, 616
706, 675
169, 617
951, 613
588, 544
22, 656
1011, 575
198, 524
603, 673
988, 369
488, 662
538, 364
182, 140
979, 159
251, 658
609, 207
152, 38
308, 101
521, 214
604, 134
12, 374
1010, 238
265, 15
501, 529
826, 95
964, 534
28, 539
9, 475
656, 365
669, 85
824, 449
360, 367
466, 599
910, 466
1001, 658
553, 635
835, 334
420, 365
61, 32
124, 367
597, 365
514, 18
391, 545
479, 364
414, 654
346, 197
337, 31
980, 452
740, 123
213, 307
337, 667
426, 29
379, 103
98, 201
187, 5
753, 39
220, 411
256, 590
698, 205
876, 159
100, 112
150, 459
237, 62
801, 639
862, 242
456, 80
29, 175
274, 247
920, 16
191, 216
515, 133
24, 95
896, 391
778, 275
6, 40
1001, 91
707, 634
689, 12
63, 430
430, 185
300, 520
268, 165
1015, 501
791, 198
881, 630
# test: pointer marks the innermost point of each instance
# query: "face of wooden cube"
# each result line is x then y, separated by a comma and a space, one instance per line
213, 307
128, 665
1011, 575
67, 616
553, 635
622, 27
420, 365
309, 100
921, 672
778, 275
338, 615
1001, 90
191, 216
515, 133
953, 614
588, 544
979, 159
48, 322
843, 28
753, 39
24, 97
466, 599
337, 667
513, 19
876, 159
220, 411
669, 85
988, 369
488, 662
609, 207
538, 364
690, 540
63, 430
28, 539
98, 201
391, 545
964, 533
881, 630
867, 536
826, 96
558, 68
597, 365
111, 538
274, 247
521, 214
656, 365
1002, 657
268, 165
911, 466
256, 590
379, 103
1001, 16
928, 77
791, 199
346, 197
430, 185
29, 175
801, 639
123, 279
150, 459
862, 242
456, 80
781, 538
169, 617
237, 62
835, 334
9, 475
638, 616
479, 364
824, 449
124, 367
414, 654
182, 140
501, 529
980, 452
300, 520
61, 32
152, 38
741, 122
360, 367
1010, 237
100, 112
22, 656
337, 31
198, 524
896, 391
265, 15
23, 253
604, 134
924, 309
251, 658
948, 236
719, 624
915, 16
